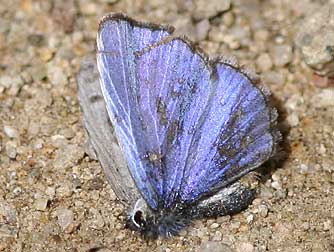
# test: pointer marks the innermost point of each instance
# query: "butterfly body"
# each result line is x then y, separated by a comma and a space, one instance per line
189, 127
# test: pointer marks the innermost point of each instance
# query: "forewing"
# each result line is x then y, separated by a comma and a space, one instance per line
101, 135
118, 39
174, 90
237, 135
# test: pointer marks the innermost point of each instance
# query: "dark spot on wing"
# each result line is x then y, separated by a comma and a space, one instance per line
95, 98
162, 111
181, 80
154, 157
119, 119
193, 88
172, 132
227, 150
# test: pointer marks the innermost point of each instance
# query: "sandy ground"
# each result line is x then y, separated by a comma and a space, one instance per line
53, 197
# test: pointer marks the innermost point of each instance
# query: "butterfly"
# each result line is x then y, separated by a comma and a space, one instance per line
173, 130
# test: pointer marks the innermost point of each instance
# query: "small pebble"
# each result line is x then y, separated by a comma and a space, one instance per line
202, 29
65, 217
65, 189
235, 225
17, 190
56, 75
183, 232
276, 185
38, 144
68, 156
272, 77
26, 77
245, 247
294, 102
97, 221
14, 90
231, 41
8, 211
250, 218
88, 8
38, 72
10, 131
33, 128
328, 225
322, 81
228, 19
41, 203
263, 210
9, 81
217, 236
208, 9
281, 194
67, 133
45, 54
7, 231
304, 168
50, 192
293, 120
266, 193
322, 149
264, 62
64, 13
185, 25
275, 177
11, 150
324, 98
305, 226
58, 141
214, 225
315, 39
261, 35
282, 55
214, 246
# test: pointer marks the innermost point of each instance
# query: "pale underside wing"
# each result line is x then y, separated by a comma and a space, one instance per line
188, 126
101, 133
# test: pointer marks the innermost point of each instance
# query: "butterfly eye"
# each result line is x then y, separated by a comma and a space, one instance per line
138, 219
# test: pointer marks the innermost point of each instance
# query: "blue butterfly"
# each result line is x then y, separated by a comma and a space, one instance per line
188, 127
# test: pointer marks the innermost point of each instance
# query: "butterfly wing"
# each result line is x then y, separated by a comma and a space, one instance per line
236, 137
187, 126
174, 89
211, 125
118, 39
101, 135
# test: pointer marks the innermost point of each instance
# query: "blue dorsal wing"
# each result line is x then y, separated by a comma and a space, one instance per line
239, 134
118, 39
174, 90
209, 122
188, 126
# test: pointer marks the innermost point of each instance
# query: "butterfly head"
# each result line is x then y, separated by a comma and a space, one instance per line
137, 216
151, 224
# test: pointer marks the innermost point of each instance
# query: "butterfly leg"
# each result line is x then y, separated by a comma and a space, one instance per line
229, 200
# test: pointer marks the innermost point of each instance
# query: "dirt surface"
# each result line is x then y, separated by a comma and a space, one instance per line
53, 197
